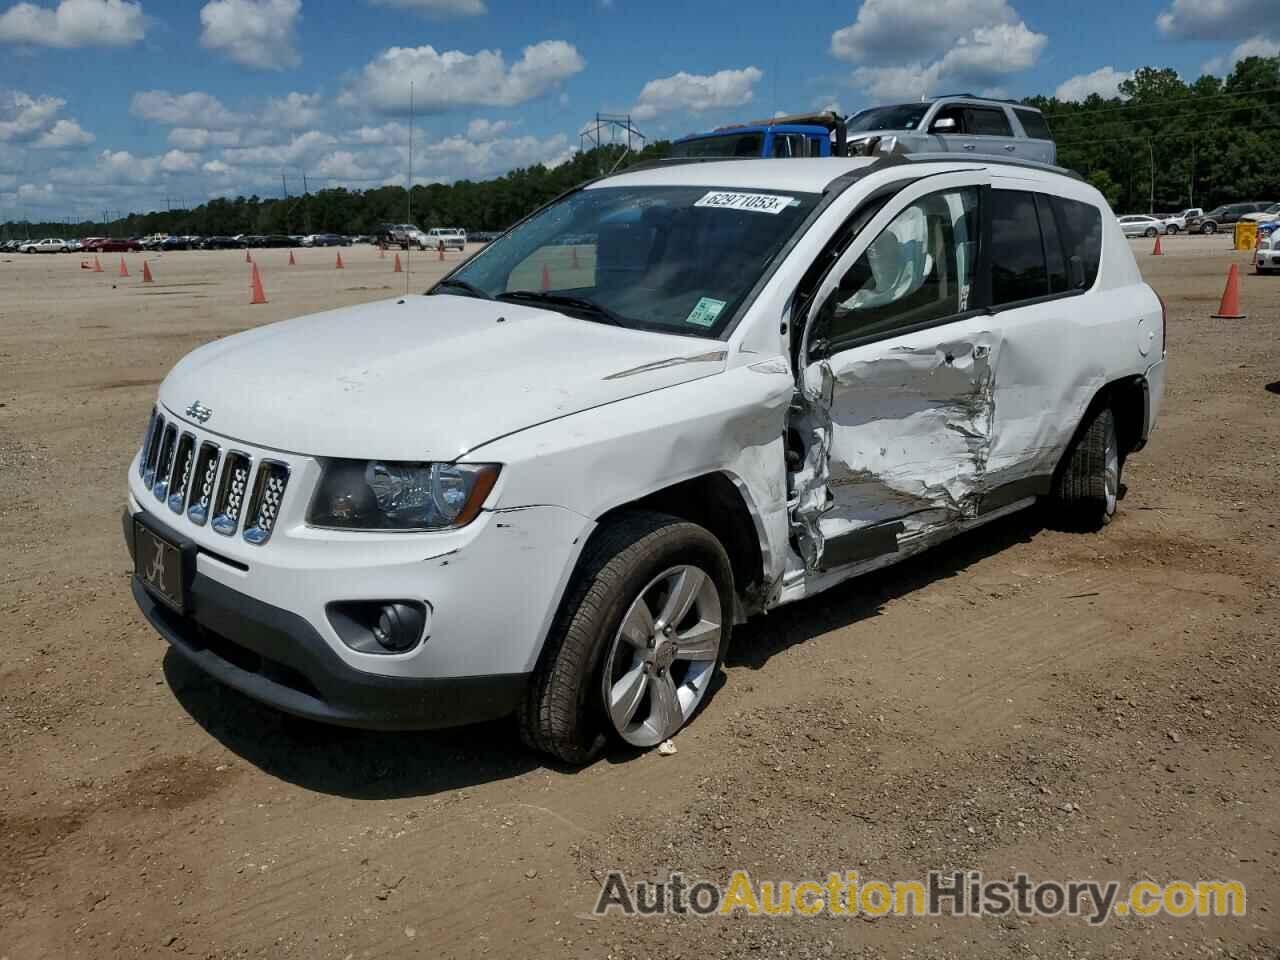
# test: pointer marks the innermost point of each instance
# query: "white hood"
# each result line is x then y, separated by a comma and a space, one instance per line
421, 378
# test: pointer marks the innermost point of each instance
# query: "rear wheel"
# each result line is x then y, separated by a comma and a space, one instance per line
1151, 231
1171, 229
1208, 228
637, 643
1087, 489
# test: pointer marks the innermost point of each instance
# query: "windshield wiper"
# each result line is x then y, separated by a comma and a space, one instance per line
467, 288
594, 310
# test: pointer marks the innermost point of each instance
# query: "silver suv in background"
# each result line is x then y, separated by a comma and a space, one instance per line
954, 124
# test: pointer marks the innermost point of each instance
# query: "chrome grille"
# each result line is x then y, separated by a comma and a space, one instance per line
153, 448
146, 443
232, 489
164, 462
264, 506
206, 473
183, 461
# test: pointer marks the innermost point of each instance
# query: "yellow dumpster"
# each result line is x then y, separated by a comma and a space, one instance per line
1246, 234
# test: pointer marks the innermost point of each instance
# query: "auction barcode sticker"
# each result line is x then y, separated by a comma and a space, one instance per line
753, 202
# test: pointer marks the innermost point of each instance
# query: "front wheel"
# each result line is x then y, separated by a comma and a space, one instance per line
1151, 232
1172, 229
1209, 228
638, 641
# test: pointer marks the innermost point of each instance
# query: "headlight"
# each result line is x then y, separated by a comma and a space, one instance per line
384, 495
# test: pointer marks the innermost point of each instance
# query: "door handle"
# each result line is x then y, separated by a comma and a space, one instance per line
1010, 147
970, 146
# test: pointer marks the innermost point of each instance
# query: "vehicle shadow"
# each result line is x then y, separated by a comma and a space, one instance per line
863, 597
358, 764
376, 765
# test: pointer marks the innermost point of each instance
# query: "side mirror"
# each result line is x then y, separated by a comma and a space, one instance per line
944, 125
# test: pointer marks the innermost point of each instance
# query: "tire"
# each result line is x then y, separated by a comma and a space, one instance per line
1171, 230
1150, 232
565, 711
1086, 490
1208, 228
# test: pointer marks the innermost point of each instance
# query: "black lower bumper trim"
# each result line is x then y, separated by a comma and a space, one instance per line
277, 657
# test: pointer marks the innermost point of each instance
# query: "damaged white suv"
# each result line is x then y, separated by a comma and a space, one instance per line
670, 400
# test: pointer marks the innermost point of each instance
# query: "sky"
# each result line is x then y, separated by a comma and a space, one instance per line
137, 105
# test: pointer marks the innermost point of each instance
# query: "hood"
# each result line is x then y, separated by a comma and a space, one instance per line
422, 377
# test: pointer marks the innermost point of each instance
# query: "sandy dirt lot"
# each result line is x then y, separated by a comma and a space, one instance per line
1099, 706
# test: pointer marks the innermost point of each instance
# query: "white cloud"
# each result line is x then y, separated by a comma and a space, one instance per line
1256, 46
300, 150
193, 109
443, 80
688, 91
296, 111
437, 8
1105, 82
63, 135
481, 129
974, 63
216, 168
903, 49
197, 138
179, 161
1215, 19
388, 133
254, 33
345, 165
34, 121
75, 23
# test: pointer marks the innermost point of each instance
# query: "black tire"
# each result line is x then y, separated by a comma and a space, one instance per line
563, 713
1208, 228
1083, 498
1171, 229
1150, 232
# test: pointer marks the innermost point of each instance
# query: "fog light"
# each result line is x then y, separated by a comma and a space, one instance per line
380, 626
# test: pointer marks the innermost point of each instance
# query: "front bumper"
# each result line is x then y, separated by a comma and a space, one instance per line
1269, 259
278, 658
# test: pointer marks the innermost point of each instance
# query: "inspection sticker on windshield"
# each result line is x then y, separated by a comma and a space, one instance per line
752, 202
705, 311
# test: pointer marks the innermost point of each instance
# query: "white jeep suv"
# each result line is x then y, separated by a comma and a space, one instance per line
552, 485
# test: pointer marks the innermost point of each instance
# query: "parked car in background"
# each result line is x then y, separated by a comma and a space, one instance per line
402, 514
1268, 253
325, 240
221, 243
785, 137
48, 245
953, 124
402, 235
1269, 215
1226, 215
1141, 225
1177, 222
110, 245
450, 238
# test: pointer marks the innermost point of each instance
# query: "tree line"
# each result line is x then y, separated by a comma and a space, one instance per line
1164, 144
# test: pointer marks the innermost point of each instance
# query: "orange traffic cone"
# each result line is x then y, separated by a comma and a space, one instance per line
575, 256
546, 278
255, 286
338, 265
146, 272
292, 262
97, 265
1157, 252
247, 258
1230, 308
124, 271
396, 268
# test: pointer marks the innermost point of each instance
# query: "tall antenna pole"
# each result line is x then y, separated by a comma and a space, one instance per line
408, 248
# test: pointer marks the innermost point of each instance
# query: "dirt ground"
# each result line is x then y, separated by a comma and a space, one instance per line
1075, 706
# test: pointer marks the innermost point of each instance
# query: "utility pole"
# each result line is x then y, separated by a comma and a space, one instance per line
1152, 150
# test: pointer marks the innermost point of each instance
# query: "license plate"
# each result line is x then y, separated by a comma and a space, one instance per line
158, 563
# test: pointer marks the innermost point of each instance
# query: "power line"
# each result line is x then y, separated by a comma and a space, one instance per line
1192, 99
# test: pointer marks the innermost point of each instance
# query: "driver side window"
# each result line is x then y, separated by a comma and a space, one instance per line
920, 268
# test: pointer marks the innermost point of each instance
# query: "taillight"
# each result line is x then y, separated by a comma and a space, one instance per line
1164, 326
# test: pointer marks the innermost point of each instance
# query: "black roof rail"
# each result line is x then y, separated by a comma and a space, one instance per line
974, 96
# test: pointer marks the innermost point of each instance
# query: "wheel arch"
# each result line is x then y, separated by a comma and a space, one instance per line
1129, 398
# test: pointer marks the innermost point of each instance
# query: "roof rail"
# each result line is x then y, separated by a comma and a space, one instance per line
943, 157
974, 96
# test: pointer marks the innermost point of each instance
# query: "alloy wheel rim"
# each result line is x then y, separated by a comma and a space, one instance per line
663, 656
1111, 471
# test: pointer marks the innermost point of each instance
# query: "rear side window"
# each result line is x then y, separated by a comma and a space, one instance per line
987, 122
1081, 228
1054, 258
1018, 270
1034, 123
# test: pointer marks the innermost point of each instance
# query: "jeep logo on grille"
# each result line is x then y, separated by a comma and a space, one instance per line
198, 411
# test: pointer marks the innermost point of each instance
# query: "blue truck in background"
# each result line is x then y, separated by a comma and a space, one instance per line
800, 135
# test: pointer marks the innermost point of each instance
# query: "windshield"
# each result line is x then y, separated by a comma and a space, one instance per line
904, 116
720, 145
675, 259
